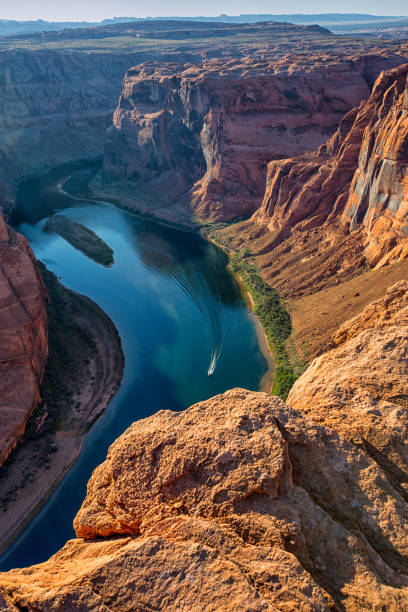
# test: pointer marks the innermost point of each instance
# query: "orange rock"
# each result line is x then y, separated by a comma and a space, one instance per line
359, 388
240, 502
390, 310
23, 336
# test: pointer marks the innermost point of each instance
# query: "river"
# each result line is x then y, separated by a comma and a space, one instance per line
180, 314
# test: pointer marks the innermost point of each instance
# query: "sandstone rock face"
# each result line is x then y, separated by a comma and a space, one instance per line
204, 135
359, 388
23, 336
238, 503
327, 214
378, 197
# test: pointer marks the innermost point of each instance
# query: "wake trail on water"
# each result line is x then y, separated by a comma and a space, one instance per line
208, 302
211, 307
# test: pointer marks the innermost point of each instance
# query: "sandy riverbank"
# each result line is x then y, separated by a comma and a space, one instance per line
76, 392
267, 380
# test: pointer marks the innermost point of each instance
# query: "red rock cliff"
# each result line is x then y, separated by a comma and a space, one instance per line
325, 214
23, 336
203, 135
378, 195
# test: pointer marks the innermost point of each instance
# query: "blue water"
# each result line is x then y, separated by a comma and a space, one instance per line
178, 311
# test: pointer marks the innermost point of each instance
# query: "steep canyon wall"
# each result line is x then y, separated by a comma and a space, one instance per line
201, 137
23, 336
327, 214
54, 108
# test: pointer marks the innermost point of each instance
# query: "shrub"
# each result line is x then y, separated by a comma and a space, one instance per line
275, 321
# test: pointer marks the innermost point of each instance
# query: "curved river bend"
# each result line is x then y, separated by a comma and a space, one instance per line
180, 315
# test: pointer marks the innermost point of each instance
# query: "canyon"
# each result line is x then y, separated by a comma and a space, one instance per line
69, 82
287, 145
352, 188
330, 233
201, 137
281, 506
47, 93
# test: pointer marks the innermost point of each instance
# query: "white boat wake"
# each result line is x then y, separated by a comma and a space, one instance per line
205, 295
212, 310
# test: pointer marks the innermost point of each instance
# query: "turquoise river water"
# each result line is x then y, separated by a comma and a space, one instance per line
180, 314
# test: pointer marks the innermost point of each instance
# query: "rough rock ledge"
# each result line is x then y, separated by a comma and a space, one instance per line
245, 503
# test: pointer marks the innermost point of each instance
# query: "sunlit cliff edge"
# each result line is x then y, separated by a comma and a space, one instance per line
244, 502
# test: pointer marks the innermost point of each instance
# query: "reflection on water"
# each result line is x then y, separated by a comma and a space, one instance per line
185, 330
199, 269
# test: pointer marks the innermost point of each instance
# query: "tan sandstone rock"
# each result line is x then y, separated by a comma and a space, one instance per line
360, 388
238, 503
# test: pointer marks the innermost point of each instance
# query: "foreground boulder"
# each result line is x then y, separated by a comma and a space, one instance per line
239, 503
243, 502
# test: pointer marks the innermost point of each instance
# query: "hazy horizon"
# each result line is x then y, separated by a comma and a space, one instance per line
94, 10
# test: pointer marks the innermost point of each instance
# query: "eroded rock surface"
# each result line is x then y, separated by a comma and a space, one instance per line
200, 137
327, 214
239, 503
360, 387
378, 195
23, 336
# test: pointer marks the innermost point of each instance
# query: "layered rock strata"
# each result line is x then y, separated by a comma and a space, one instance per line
23, 336
54, 108
329, 213
244, 502
67, 83
200, 137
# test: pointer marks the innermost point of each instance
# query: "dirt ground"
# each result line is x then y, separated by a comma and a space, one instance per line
315, 317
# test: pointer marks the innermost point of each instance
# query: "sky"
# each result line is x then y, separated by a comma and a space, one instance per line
95, 10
